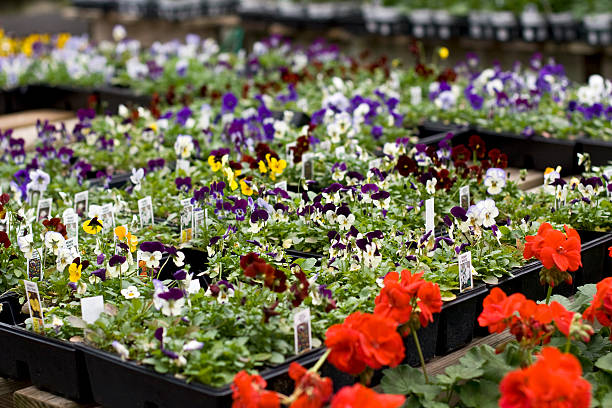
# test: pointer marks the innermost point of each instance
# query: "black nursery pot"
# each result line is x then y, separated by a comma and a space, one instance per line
123, 384
197, 261
119, 384
535, 152
594, 257
50, 364
599, 150
457, 320
111, 97
11, 309
428, 337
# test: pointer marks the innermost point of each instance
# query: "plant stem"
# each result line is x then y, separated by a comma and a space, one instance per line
418, 346
548, 293
320, 362
568, 344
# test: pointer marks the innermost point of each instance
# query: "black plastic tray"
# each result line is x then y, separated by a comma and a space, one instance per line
599, 150
458, 319
11, 309
50, 364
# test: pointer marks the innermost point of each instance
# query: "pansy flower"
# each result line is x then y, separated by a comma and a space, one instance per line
92, 226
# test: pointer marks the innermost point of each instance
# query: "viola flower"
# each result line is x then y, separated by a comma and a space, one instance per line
229, 103
183, 183
76, 268
123, 351
172, 301
39, 181
495, 180
136, 178
4, 239
151, 258
358, 396
131, 292
310, 389
117, 265
364, 340
249, 391
554, 380
92, 226
276, 166
183, 146
54, 241
245, 189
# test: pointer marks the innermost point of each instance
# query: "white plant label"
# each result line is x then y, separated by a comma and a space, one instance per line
429, 216
465, 271
92, 308
301, 331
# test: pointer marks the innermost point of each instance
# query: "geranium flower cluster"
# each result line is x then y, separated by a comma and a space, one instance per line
559, 253
529, 322
554, 380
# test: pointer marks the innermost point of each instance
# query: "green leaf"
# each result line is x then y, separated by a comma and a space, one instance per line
308, 264
605, 363
459, 372
407, 380
479, 394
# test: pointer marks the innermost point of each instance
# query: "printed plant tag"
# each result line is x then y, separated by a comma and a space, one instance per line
465, 271
416, 95
198, 222
92, 308
71, 221
24, 230
308, 166
464, 197
185, 201
282, 185
145, 212
34, 264
43, 211
72, 243
107, 217
186, 223
301, 331
429, 216
143, 273
35, 306
81, 201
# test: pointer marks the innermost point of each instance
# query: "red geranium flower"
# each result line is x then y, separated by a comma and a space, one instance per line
429, 302
249, 392
601, 306
311, 391
364, 340
358, 396
498, 309
408, 299
610, 253
561, 250
554, 381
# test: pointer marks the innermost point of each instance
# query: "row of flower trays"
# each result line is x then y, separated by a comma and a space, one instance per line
79, 372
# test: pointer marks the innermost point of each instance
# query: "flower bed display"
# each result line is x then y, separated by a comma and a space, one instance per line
280, 217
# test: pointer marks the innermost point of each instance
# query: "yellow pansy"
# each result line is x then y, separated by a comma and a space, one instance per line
75, 271
214, 164
62, 39
443, 52
245, 188
153, 126
132, 241
276, 166
121, 232
262, 167
231, 178
92, 226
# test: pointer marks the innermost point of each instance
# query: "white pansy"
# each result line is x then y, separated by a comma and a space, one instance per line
151, 258
130, 292
183, 146
54, 241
